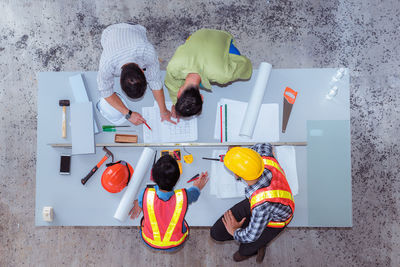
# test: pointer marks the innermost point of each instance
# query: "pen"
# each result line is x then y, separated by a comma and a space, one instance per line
194, 178
147, 126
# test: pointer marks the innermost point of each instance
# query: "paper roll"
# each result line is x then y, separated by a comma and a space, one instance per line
254, 104
132, 190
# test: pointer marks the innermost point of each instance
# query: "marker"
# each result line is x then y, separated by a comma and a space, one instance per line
113, 126
147, 126
194, 178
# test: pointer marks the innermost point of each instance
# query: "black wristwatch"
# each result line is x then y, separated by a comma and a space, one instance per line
127, 116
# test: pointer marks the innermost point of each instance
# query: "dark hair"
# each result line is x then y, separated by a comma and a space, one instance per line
189, 103
133, 81
166, 172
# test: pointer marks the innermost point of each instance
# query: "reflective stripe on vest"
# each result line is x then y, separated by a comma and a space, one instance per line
277, 195
273, 164
171, 227
280, 224
268, 195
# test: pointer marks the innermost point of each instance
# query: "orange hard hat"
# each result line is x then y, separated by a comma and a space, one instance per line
116, 176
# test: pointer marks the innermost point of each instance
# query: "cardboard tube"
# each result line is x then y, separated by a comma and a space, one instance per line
254, 105
126, 204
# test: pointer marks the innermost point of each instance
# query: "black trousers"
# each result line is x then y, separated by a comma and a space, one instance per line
242, 210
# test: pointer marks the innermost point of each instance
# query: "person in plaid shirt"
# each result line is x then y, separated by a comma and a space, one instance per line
251, 225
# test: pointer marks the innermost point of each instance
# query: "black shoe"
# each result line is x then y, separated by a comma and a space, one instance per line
260, 255
238, 257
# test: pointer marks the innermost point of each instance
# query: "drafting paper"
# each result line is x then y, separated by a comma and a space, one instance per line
82, 134
223, 182
141, 168
185, 130
257, 96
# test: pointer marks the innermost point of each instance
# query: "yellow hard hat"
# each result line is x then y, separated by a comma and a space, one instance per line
244, 162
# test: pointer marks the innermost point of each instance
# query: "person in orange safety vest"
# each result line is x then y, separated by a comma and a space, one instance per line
163, 226
268, 207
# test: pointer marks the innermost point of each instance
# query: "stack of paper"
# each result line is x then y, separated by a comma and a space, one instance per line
224, 185
185, 130
266, 129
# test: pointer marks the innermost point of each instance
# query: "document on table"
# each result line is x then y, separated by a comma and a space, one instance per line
82, 133
185, 130
266, 129
286, 156
80, 94
223, 183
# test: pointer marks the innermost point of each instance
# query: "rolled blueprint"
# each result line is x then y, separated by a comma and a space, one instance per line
254, 105
132, 190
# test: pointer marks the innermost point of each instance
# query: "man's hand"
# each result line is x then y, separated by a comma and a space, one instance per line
202, 181
173, 113
166, 116
136, 118
230, 222
136, 210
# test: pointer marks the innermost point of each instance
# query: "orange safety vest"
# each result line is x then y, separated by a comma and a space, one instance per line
278, 191
162, 222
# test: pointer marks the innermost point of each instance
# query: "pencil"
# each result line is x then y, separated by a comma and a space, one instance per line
226, 123
220, 113
147, 126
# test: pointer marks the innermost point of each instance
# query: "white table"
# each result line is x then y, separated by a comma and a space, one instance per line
91, 205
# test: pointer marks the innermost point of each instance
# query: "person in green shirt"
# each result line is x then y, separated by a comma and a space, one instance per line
207, 56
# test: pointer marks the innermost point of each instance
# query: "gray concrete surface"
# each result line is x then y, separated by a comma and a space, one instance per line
62, 35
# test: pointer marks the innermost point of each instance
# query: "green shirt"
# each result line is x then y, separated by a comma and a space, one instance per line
206, 52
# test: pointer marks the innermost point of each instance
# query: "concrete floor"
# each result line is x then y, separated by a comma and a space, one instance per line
60, 35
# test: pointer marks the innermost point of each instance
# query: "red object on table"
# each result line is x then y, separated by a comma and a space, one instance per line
148, 126
194, 178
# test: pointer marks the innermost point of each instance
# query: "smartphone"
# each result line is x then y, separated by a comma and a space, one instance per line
65, 164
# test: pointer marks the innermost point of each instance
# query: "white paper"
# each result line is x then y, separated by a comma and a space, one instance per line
266, 128
224, 185
142, 166
80, 93
286, 156
82, 134
253, 109
185, 130
222, 181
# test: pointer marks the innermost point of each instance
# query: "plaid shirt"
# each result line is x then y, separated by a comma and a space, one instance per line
262, 214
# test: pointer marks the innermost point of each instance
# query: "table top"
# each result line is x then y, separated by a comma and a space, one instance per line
91, 205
